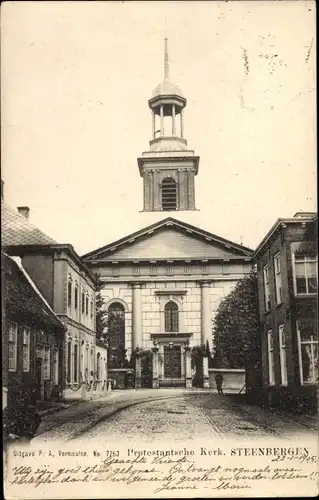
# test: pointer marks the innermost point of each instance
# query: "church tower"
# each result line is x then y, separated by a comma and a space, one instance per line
168, 169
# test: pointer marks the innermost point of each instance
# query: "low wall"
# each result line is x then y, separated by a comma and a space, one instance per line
233, 378
86, 391
124, 378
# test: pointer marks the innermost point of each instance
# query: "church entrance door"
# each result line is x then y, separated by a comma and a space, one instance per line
172, 365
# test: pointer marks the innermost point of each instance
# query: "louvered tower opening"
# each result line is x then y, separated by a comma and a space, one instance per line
169, 194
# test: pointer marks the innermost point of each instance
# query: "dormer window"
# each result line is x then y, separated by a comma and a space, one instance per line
169, 194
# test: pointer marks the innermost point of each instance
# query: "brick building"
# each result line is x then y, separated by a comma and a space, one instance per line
68, 286
287, 278
32, 337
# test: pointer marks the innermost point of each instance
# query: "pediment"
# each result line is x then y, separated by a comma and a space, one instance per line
169, 239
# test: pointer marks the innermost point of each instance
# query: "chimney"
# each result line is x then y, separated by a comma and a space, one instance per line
24, 211
2, 189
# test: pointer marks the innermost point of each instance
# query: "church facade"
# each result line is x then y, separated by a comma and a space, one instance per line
163, 283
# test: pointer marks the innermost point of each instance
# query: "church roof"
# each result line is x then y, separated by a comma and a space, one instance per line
17, 230
168, 223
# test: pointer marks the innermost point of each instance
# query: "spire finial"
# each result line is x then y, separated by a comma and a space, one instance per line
166, 63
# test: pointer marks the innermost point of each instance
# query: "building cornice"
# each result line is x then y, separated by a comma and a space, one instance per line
278, 226
152, 158
167, 279
51, 248
176, 260
69, 321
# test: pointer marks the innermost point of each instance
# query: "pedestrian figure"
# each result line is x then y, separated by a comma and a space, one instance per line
219, 382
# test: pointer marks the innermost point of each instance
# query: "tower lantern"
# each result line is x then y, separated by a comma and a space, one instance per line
167, 104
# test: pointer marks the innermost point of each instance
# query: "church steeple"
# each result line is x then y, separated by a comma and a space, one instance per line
168, 168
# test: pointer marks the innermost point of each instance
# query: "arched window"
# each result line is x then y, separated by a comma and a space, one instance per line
171, 317
69, 292
98, 365
75, 358
69, 354
169, 194
116, 325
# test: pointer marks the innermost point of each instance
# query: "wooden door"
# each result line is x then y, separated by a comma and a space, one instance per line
172, 362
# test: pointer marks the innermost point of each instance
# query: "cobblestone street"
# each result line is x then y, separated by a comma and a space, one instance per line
176, 414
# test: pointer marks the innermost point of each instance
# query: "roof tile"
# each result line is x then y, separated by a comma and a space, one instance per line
17, 230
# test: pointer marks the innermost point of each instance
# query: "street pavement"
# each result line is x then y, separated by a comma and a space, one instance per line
178, 414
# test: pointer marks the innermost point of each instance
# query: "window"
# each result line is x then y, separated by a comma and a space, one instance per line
26, 349
83, 303
75, 361
92, 308
171, 317
69, 293
98, 366
308, 351
169, 194
91, 361
13, 331
283, 355
87, 305
266, 287
278, 278
76, 296
305, 274
86, 360
56, 366
46, 362
69, 361
271, 359
116, 325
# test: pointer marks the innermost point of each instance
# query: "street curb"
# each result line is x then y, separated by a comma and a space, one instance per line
49, 411
56, 409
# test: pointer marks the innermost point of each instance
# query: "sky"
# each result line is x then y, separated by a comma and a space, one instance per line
76, 79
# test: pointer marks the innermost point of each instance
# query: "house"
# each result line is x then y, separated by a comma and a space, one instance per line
69, 288
288, 283
32, 337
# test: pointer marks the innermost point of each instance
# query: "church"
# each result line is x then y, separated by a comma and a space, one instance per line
163, 283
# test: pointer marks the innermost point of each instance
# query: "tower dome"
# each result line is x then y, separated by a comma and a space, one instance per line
166, 88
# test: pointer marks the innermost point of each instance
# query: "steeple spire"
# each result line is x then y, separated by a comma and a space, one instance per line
166, 61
